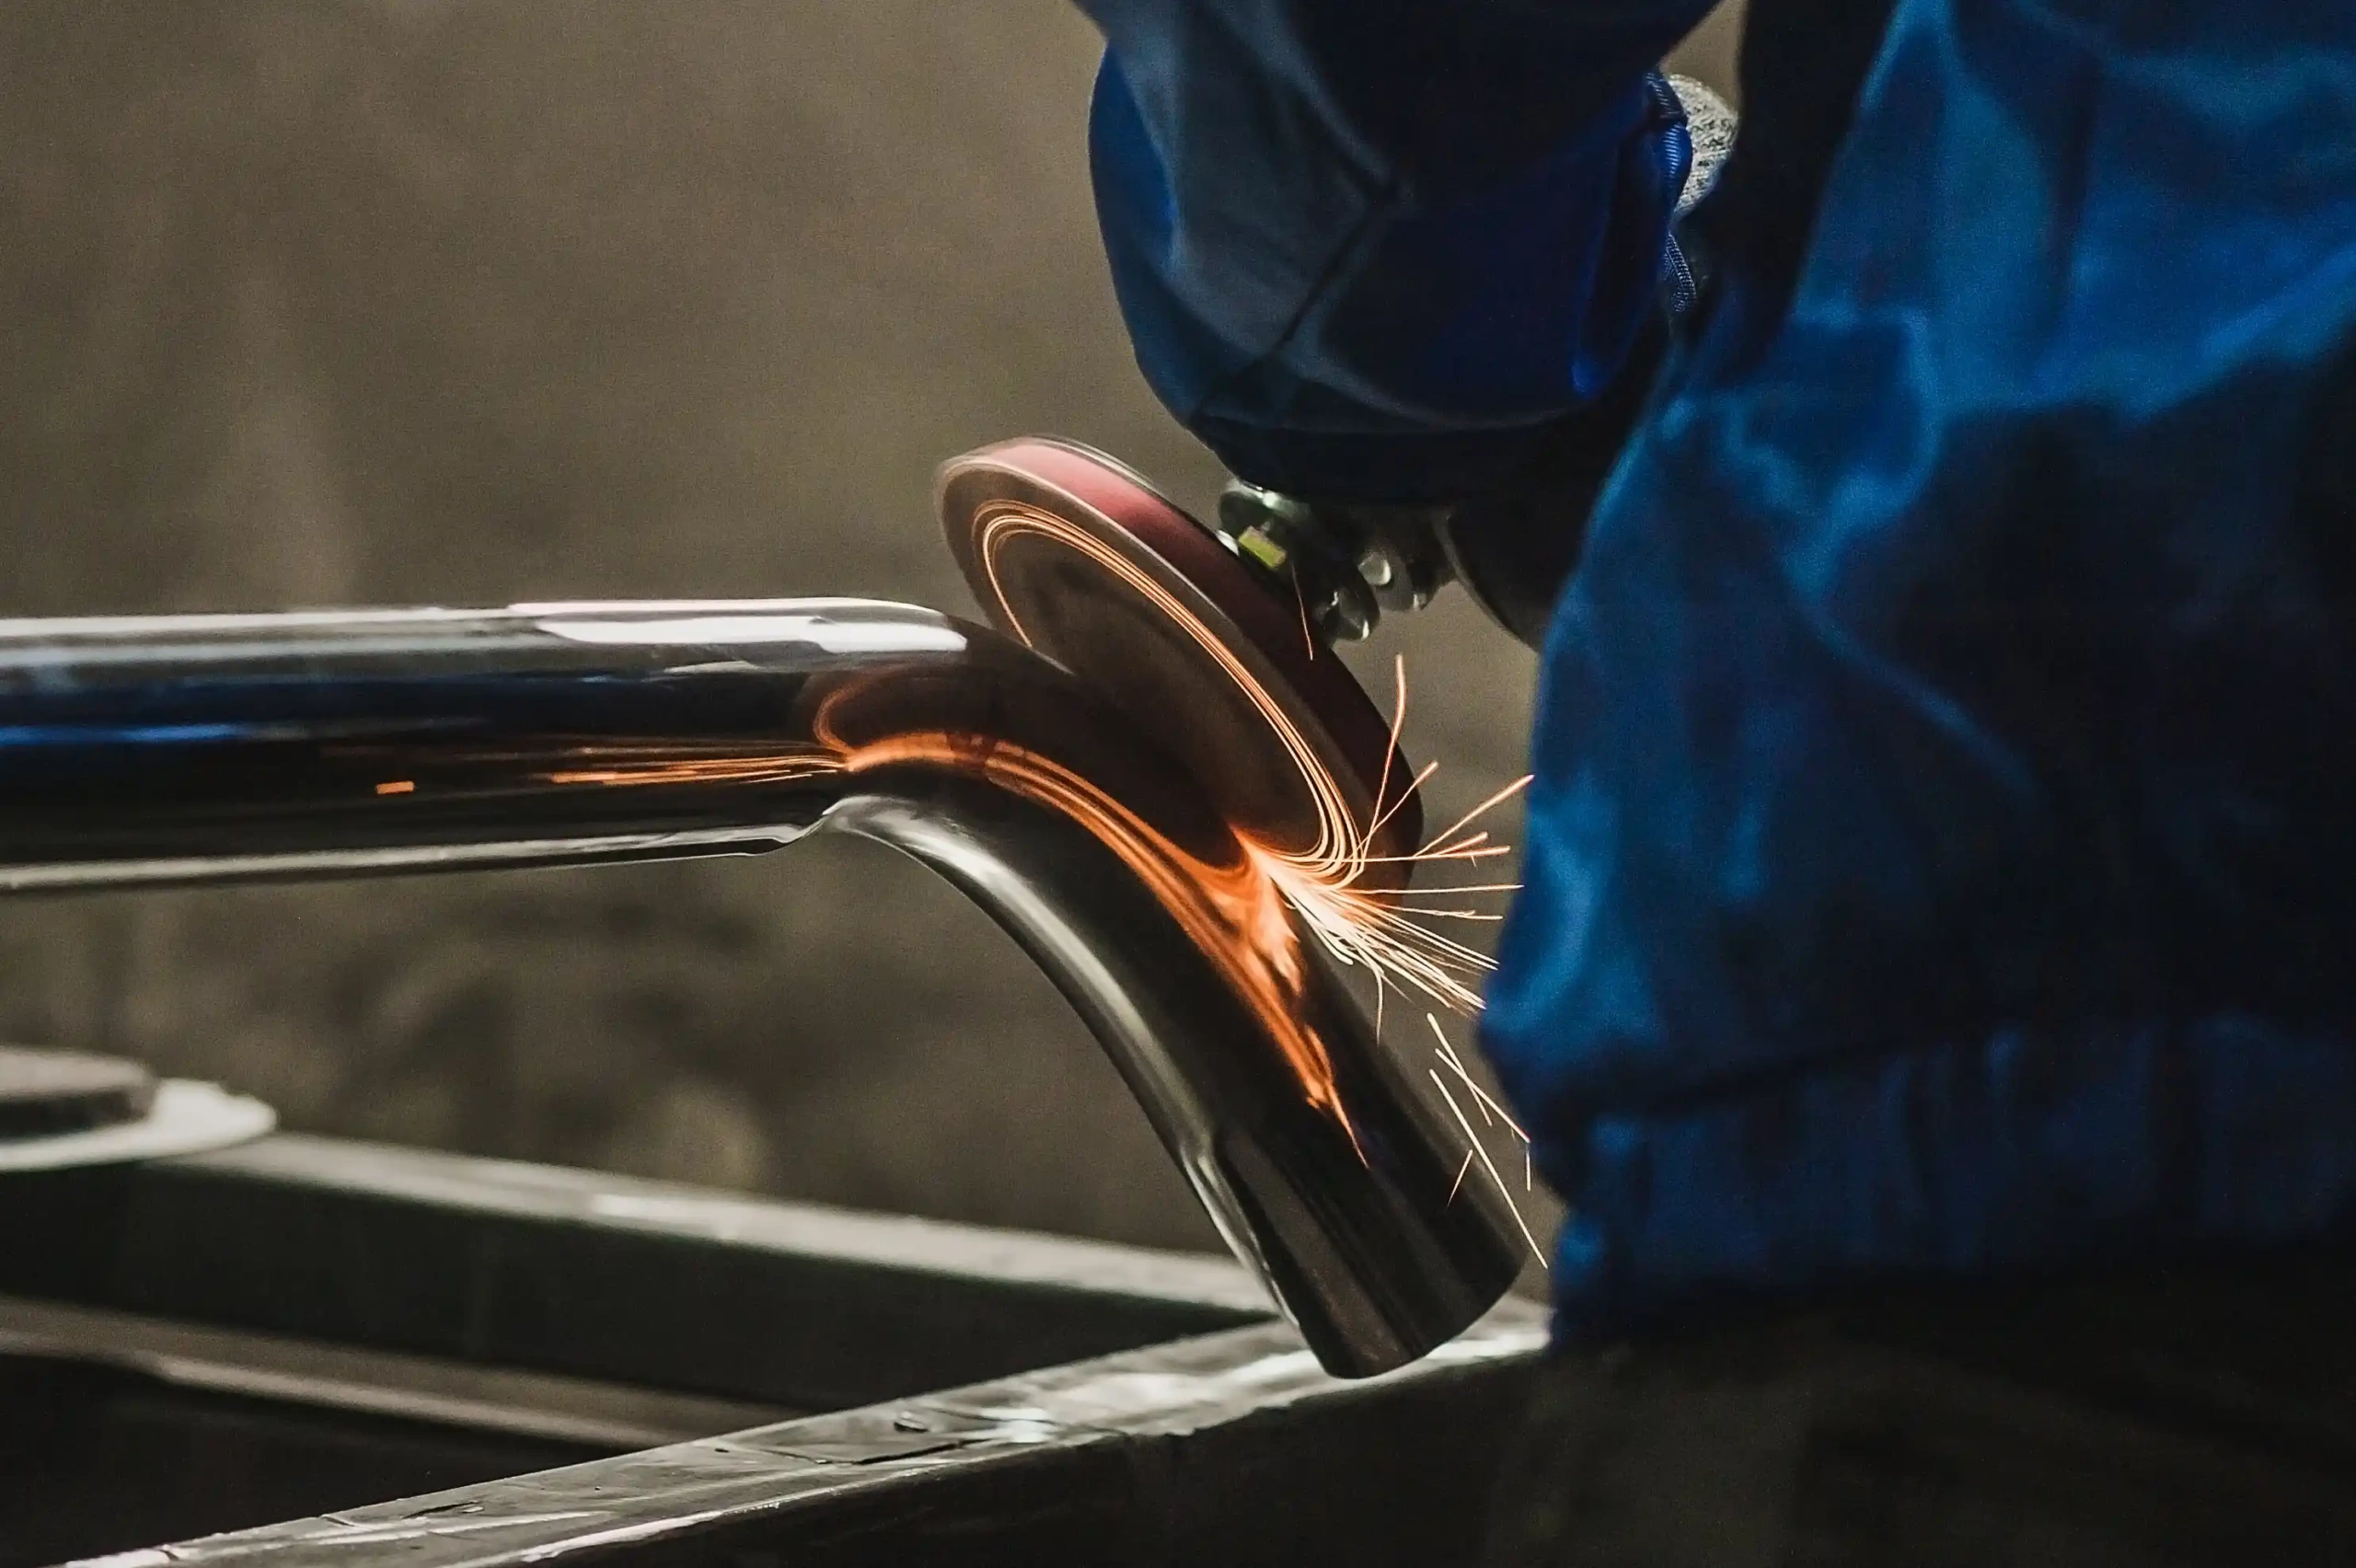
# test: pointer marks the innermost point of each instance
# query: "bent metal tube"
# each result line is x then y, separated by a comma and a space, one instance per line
212, 748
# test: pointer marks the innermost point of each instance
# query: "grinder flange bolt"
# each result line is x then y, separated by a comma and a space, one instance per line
1347, 564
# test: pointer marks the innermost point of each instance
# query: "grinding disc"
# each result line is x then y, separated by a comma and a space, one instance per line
1077, 556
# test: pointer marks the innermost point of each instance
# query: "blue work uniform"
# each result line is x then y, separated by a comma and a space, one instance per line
1941, 862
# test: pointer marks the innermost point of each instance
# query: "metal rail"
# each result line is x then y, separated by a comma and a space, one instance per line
1229, 1448
212, 748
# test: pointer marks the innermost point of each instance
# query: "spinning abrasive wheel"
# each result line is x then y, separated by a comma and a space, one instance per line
1078, 556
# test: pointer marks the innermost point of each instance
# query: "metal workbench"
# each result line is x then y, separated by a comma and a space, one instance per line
286, 1341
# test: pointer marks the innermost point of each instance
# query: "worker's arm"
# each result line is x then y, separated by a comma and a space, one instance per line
1374, 249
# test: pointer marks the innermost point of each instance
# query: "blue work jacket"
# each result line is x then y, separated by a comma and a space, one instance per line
1941, 862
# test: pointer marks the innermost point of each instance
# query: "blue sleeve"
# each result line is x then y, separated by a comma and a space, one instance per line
1371, 249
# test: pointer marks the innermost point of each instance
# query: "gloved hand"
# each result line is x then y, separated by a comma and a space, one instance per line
1513, 544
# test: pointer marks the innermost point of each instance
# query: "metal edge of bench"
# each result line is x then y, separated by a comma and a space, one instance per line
1231, 1444
516, 1189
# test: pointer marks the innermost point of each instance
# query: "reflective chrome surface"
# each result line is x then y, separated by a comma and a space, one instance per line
196, 749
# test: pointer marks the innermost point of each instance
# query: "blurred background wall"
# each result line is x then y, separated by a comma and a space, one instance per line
470, 301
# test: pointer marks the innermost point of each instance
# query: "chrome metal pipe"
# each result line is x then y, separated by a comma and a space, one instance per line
212, 748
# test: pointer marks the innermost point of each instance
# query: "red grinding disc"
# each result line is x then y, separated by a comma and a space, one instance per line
1079, 558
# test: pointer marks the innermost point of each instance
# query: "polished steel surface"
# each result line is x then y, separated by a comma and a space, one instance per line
196, 749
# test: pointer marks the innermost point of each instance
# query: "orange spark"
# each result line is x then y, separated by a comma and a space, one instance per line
1490, 1166
1329, 882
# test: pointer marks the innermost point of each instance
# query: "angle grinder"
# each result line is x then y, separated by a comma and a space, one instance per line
1281, 577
